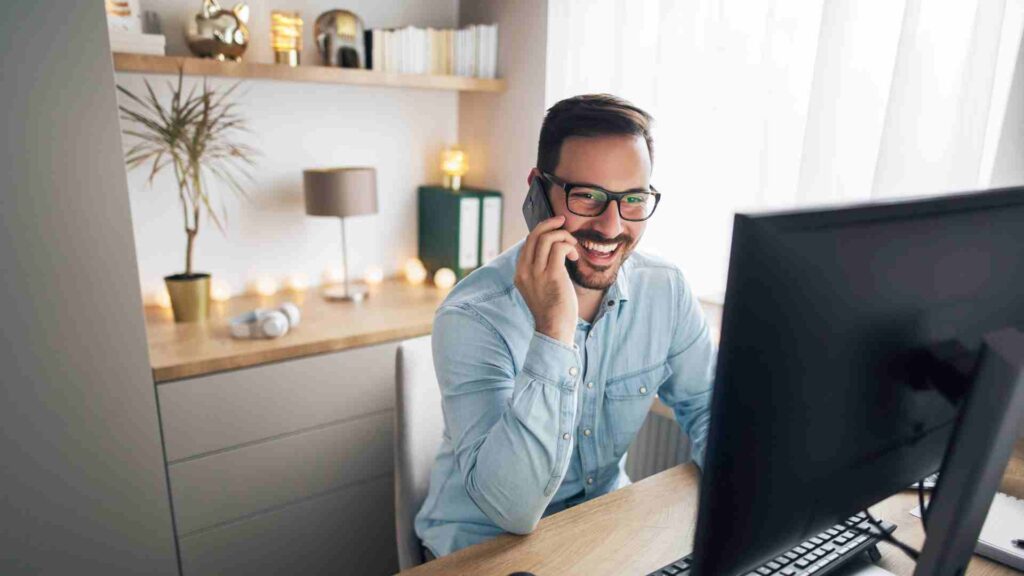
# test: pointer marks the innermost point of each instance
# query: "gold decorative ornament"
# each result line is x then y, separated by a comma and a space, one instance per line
218, 33
286, 36
340, 39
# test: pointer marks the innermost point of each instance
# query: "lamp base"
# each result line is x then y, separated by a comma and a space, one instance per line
339, 293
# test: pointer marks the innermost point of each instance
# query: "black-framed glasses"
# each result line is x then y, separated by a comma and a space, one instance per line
590, 200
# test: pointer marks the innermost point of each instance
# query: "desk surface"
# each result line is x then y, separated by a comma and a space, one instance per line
647, 525
395, 310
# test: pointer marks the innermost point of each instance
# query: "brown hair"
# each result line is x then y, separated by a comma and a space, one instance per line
589, 115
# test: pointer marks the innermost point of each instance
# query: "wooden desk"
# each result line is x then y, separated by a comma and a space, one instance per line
643, 527
394, 311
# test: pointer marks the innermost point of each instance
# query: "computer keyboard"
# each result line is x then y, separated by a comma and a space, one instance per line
819, 555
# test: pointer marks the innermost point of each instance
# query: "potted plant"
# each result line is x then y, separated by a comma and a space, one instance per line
194, 136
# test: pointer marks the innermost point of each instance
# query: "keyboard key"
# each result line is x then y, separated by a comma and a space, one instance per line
817, 541
773, 565
791, 555
802, 563
764, 571
670, 570
788, 571
782, 560
801, 549
832, 532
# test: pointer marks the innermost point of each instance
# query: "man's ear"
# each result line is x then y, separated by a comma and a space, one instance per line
534, 173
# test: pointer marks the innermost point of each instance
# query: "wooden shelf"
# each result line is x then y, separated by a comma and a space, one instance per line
145, 63
394, 311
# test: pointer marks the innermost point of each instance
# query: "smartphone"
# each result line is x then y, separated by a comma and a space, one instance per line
536, 207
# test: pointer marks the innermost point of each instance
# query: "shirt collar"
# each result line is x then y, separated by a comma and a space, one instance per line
620, 289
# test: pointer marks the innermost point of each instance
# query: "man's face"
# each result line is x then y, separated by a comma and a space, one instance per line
616, 163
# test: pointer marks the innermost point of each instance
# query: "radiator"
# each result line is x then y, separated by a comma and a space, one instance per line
658, 446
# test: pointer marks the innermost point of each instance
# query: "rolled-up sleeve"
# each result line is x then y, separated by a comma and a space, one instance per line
692, 357
511, 433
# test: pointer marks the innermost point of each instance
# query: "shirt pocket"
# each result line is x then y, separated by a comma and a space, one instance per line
627, 400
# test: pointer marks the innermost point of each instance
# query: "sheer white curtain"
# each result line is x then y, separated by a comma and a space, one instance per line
780, 103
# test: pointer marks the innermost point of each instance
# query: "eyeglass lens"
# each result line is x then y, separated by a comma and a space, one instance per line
591, 202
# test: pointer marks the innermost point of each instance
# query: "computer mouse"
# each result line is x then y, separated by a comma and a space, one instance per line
522, 574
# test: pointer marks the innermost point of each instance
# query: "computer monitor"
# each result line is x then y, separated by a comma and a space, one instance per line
828, 397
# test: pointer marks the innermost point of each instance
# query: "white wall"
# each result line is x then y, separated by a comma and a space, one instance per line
401, 132
500, 131
1008, 167
83, 488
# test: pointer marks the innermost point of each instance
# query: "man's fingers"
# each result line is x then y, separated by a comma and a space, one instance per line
544, 246
559, 252
529, 249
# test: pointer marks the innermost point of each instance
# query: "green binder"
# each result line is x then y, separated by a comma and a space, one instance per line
460, 230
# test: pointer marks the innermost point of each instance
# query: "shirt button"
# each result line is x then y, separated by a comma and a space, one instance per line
611, 302
566, 436
643, 389
573, 371
586, 431
590, 384
590, 479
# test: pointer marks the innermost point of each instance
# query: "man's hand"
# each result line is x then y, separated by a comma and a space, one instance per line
544, 282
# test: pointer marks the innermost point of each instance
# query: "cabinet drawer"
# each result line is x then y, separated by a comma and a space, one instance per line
209, 413
252, 479
351, 531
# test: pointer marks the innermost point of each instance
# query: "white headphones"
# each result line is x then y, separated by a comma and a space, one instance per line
271, 323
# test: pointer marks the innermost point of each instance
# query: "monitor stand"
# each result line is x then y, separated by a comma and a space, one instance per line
987, 426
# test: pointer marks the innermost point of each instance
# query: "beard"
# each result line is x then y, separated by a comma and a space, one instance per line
586, 275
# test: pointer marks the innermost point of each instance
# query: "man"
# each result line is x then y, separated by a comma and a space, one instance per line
549, 357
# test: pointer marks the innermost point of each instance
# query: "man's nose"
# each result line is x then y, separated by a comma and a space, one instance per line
609, 224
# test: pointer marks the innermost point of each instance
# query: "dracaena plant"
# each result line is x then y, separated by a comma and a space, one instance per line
195, 135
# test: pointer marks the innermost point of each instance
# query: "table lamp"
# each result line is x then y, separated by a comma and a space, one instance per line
454, 165
341, 192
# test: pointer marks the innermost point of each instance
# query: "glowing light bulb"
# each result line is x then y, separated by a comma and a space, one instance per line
444, 278
297, 282
265, 286
220, 291
374, 275
162, 298
415, 271
454, 165
333, 275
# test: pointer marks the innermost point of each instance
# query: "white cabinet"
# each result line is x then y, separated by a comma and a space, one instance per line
285, 467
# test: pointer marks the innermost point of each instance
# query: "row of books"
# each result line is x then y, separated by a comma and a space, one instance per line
470, 51
137, 42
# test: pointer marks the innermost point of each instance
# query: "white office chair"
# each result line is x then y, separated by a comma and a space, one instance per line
419, 427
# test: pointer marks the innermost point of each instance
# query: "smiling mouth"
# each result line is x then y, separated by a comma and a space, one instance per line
599, 253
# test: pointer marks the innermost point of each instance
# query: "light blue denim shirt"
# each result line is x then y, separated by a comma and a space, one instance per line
532, 425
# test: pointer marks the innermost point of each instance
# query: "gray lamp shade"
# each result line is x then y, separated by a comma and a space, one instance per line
341, 192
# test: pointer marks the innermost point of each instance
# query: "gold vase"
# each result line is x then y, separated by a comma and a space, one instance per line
190, 296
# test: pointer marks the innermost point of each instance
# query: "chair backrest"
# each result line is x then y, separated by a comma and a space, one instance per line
419, 428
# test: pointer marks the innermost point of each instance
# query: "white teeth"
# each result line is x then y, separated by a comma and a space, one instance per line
604, 248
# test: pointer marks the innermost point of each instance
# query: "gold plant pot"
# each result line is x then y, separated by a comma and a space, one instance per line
190, 296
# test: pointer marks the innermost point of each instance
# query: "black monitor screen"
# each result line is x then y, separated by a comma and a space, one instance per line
816, 414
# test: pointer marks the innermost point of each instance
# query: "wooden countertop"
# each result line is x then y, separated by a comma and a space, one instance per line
394, 311
642, 527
